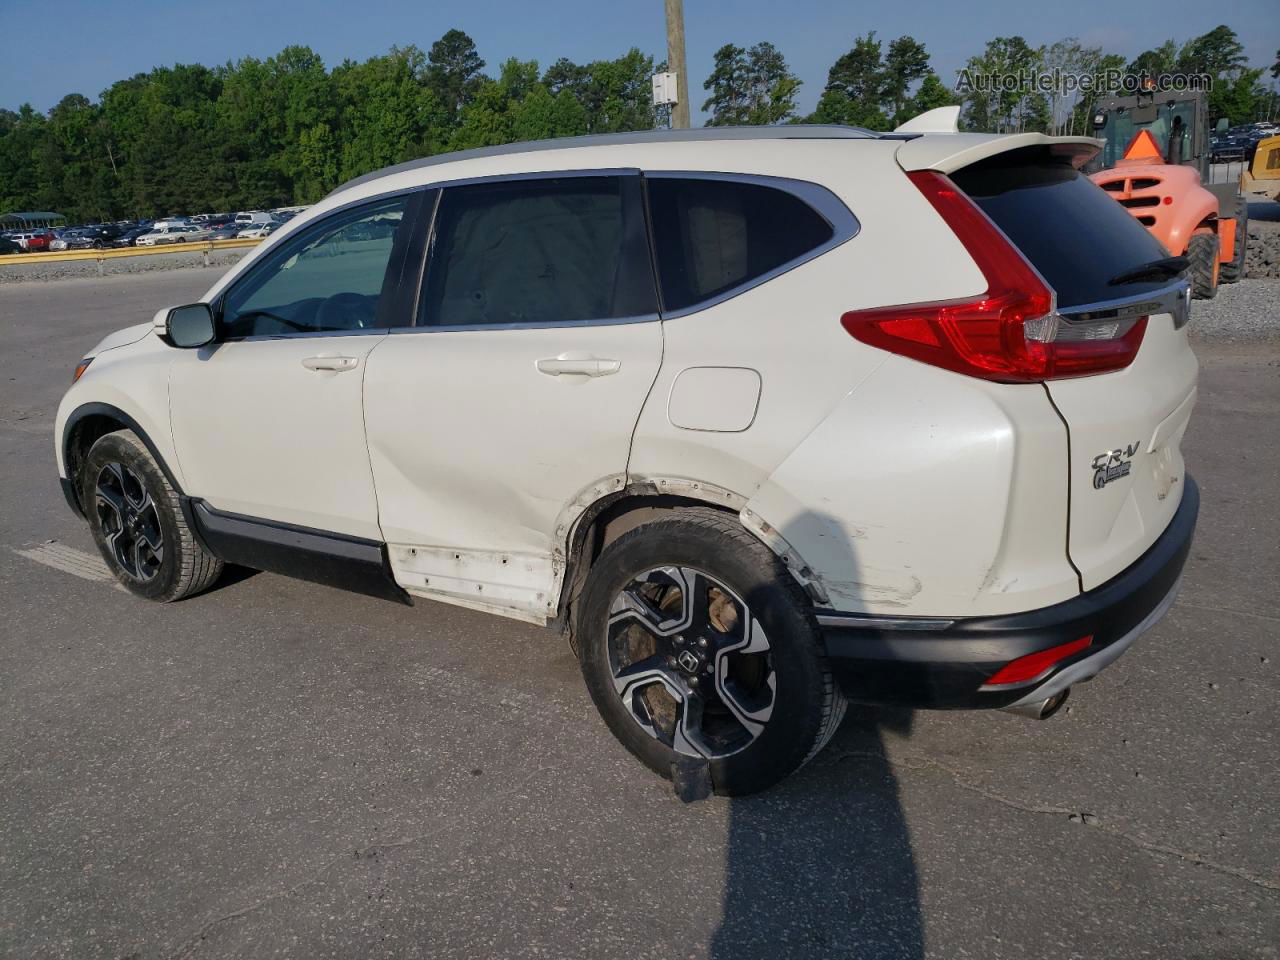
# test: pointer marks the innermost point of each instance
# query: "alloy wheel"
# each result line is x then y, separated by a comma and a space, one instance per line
689, 661
130, 521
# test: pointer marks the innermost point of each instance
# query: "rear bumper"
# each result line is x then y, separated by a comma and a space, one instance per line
946, 663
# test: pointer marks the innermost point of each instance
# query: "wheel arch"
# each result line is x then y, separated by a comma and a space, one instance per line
609, 516
84, 426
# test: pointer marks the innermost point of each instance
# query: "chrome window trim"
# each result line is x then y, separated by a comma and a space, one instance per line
1173, 299
843, 222
559, 325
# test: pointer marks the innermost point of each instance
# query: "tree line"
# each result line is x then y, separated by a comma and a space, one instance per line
286, 130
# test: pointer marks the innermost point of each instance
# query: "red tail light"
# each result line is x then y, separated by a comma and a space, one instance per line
1012, 333
1031, 666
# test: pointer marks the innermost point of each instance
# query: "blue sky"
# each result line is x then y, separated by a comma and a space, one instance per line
55, 47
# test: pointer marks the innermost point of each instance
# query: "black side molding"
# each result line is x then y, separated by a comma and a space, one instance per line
332, 559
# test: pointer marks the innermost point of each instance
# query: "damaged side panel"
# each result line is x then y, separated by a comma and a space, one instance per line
954, 504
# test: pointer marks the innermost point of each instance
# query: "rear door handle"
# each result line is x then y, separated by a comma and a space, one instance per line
588, 367
330, 363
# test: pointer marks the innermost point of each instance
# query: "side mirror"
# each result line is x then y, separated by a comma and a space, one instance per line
189, 326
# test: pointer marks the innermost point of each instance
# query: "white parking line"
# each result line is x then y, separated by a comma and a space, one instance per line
86, 566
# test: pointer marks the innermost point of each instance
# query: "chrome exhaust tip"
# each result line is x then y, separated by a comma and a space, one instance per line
1040, 709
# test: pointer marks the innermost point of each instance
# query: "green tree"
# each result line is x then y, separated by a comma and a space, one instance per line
453, 72
728, 85
855, 88
1217, 52
933, 93
1007, 107
1157, 62
906, 62
750, 86
387, 113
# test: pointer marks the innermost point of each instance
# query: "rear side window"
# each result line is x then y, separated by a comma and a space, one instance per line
1072, 232
714, 235
539, 251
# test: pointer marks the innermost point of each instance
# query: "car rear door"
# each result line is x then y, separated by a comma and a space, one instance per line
511, 403
1125, 427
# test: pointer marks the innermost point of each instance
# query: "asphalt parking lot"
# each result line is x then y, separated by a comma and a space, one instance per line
277, 769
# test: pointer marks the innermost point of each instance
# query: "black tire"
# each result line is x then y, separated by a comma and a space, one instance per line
1233, 271
120, 470
804, 704
1202, 251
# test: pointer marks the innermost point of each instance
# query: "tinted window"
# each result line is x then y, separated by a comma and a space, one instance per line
329, 277
1070, 230
714, 235
556, 250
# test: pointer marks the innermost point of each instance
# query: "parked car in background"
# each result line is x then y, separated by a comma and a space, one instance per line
228, 231
9, 245
39, 240
180, 233
719, 429
256, 231
255, 218
1225, 150
129, 237
95, 236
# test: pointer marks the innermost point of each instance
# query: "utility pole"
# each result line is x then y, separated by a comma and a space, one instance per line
676, 64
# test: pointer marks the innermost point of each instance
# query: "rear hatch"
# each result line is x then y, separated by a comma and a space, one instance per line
1124, 426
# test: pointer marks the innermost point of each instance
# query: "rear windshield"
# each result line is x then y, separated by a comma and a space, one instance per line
1070, 230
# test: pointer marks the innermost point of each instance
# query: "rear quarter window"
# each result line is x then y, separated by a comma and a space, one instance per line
1070, 230
712, 236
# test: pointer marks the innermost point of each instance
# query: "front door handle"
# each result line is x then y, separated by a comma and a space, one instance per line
587, 367
336, 364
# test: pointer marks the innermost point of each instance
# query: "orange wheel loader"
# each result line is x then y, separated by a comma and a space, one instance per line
1156, 162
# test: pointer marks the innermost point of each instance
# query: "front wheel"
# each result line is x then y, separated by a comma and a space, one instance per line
696, 642
137, 522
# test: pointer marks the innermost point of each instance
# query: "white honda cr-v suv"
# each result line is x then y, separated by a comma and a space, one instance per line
764, 419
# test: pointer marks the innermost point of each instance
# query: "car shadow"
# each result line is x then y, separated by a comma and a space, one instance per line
822, 865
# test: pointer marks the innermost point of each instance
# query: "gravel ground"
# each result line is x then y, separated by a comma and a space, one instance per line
1262, 255
1248, 310
71, 269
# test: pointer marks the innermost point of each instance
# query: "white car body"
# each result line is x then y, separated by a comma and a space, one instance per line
890, 487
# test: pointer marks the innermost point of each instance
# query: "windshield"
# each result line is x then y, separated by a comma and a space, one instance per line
1171, 129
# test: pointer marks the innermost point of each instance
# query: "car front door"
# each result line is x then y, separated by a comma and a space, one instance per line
267, 420
514, 396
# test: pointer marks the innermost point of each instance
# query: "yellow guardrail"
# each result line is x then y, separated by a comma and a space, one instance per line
197, 246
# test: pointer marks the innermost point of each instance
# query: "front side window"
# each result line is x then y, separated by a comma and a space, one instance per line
539, 251
328, 278
714, 235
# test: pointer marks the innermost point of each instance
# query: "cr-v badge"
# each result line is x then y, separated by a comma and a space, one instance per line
1112, 465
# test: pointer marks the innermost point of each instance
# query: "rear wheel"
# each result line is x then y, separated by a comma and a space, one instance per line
1202, 251
137, 522
696, 643
1233, 271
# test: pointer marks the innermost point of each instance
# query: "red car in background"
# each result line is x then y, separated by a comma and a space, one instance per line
39, 240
